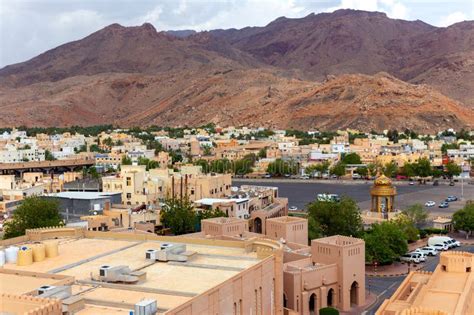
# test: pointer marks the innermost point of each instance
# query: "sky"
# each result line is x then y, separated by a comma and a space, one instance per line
30, 27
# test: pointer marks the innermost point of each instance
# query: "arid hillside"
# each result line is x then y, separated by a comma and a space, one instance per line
233, 97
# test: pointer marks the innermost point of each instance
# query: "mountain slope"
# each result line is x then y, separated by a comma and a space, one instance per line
234, 97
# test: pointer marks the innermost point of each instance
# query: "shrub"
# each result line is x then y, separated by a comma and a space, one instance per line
328, 311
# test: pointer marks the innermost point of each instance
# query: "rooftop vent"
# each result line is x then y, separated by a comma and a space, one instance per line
119, 274
58, 292
168, 252
146, 307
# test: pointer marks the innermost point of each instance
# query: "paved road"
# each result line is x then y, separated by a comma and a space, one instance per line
384, 287
300, 193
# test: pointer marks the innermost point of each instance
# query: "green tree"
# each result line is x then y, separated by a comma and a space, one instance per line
92, 171
384, 243
108, 142
362, 171
372, 169
262, 153
407, 226
314, 229
417, 214
423, 167
49, 156
351, 158
280, 167
452, 169
126, 160
390, 169
33, 212
207, 150
341, 218
328, 311
463, 220
178, 215
448, 146
408, 169
339, 169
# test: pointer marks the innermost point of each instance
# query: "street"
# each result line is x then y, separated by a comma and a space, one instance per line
300, 193
384, 287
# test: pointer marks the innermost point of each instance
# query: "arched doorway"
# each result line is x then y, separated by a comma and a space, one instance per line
257, 223
330, 297
285, 300
355, 293
312, 304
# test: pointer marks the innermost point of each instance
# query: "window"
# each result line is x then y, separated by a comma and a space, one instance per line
129, 181
129, 195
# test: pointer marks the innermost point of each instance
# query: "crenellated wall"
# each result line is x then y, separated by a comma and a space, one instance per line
31, 305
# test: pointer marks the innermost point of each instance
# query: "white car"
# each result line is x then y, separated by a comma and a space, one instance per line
430, 204
422, 255
440, 246
293, 208
411, 257
427, 250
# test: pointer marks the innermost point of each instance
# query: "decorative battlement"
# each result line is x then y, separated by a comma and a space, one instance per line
456, 261
40, 234
31, 305
421, 311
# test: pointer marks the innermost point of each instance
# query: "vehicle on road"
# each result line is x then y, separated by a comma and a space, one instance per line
436, 182
304, 177
422, 255
443, 204
411, 257
427, 250
267, 176
292, 208
328, 197
430, 203
411, 183
451, 198
451, 183
449, 242
440, 247
356, 176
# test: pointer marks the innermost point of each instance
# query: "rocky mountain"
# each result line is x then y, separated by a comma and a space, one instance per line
234, 97
349, 41
321, 71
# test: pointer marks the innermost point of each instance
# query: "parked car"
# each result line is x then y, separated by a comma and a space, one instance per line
451, 198
430, 203
435, 182
451, 183
267, 176
411, 257
440, 247
411, 183
292, 208
356, 176
427, 250
304, 177
443, 204
446, 240
422, 255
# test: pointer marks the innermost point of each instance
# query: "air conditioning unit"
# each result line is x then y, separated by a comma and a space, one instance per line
165, 246
103, 271
151, 254
58, 292
45, 288
146, 307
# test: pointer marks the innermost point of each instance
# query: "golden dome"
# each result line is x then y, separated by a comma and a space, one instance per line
382, 180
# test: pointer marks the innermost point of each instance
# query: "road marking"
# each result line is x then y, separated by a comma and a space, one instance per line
385, 291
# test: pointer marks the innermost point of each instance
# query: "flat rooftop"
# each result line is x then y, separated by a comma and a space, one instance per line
170, 283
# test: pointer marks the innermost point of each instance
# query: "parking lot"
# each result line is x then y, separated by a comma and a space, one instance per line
300, 193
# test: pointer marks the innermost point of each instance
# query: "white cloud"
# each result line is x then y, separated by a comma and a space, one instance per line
452, 18
393, 8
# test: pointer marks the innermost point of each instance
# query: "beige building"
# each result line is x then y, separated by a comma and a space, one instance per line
139, 186
449, 290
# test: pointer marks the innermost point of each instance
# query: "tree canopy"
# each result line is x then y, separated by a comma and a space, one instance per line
351, 158
417, 214
178, 215
342, 218
463, 220
452, 169
384, 243
33, 212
